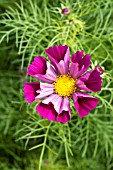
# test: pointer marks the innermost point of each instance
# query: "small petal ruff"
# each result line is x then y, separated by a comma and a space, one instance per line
65, 79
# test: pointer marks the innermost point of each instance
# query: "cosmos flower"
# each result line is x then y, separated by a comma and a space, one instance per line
63, 80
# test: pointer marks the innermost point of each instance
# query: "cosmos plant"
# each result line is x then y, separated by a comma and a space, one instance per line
65, 79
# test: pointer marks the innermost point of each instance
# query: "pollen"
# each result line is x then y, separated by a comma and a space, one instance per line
65, 85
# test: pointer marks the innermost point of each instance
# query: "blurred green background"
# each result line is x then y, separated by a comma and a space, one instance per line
28, 142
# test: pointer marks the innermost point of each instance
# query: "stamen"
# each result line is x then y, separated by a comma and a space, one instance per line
65, 85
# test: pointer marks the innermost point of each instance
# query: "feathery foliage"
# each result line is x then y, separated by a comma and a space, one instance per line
27, 28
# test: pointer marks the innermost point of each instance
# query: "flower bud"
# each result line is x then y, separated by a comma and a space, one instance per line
65, 11
99, 69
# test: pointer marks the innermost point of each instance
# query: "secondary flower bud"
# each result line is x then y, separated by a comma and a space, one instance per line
99, 69
65, 11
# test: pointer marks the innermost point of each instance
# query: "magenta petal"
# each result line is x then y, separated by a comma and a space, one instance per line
58, 53
81, 85
30, 91
65, 114
85, 61
66, 105
38, 66
45, 90
56, 100
84, 103
64, 117
50, 75
74, 70
91, 81
61, 67
42, 70
82, 63
46, 111
76, 58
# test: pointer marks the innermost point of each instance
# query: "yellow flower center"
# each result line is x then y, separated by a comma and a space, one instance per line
65, 85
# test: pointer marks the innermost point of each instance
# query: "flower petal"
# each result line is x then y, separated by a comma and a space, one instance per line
61, 106
57, 54
65, 114
78, 72
42, 70
56, 100
47, 111
81, 63
62, 68
44, 91
64, 117
91, 81
66, 105
30, 91
38, 66
84, 103
74, 69
76, 58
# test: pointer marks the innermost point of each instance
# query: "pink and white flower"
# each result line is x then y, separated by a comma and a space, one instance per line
62, 81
